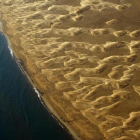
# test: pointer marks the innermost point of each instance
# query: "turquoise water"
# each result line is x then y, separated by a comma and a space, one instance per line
22, 116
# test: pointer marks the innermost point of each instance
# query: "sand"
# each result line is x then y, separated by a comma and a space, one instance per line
84, 56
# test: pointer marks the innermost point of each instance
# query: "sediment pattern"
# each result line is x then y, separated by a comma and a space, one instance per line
85, 56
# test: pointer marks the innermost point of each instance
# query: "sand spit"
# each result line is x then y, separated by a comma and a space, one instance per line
84, 55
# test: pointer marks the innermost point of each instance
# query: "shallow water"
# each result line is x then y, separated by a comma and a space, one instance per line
22, 116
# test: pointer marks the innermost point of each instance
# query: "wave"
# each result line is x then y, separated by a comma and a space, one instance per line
11, 52
38, 94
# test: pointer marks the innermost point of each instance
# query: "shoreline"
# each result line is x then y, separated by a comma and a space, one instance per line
45, 103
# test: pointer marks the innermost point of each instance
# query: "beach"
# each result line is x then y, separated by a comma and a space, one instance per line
83, 58
45, 103
22, 114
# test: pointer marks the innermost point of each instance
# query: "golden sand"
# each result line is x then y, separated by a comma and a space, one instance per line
84, 55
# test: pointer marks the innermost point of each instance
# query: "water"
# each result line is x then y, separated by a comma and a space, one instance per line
22, 116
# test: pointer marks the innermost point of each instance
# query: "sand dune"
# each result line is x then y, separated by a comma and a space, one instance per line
84, 55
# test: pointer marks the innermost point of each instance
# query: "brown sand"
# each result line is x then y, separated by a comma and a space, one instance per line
84, 55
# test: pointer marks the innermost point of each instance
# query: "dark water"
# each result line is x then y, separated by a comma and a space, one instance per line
22, 116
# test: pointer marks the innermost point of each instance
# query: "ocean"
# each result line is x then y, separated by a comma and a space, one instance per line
22, 116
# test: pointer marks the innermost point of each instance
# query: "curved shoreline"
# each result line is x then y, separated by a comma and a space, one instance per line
45, 103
